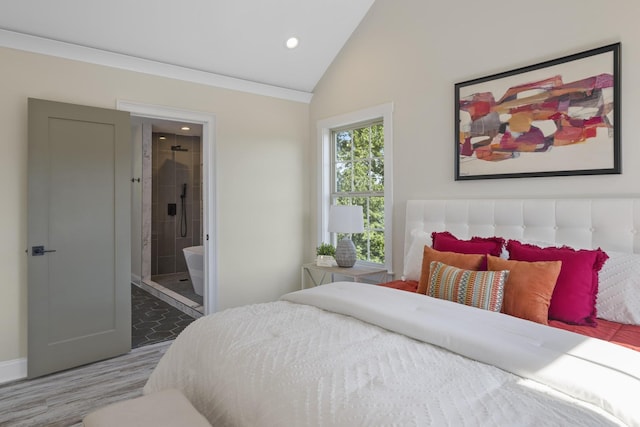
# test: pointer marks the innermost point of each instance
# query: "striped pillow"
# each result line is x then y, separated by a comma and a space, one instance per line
481, 289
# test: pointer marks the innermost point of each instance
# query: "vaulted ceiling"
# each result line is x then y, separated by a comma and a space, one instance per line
243, 39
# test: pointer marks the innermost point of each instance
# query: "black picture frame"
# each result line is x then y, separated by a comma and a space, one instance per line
555, 118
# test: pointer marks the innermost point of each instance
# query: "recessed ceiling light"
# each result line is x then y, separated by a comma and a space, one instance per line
292, 42
163, 137
185, 128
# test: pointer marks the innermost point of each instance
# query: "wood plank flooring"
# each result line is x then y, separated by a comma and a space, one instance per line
64, 398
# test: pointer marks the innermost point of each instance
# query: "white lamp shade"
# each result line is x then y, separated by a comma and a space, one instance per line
345, 219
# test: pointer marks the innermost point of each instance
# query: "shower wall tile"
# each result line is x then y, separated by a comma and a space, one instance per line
166, 172
179, 224
164, 144
194, 214
154, 257
181, 264
181, 244
181, 159
183, 176
166, 195
197, 233
197, 147
166, 264
186, 142
171, 170
166, 238
197, 171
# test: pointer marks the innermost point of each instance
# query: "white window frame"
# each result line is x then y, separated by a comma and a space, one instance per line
324, 129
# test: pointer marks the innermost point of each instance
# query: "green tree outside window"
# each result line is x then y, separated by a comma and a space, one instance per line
358, 170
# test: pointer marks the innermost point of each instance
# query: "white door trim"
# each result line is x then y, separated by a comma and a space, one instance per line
209, 193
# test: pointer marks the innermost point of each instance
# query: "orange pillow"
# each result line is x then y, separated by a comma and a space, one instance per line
529, 287
464, 261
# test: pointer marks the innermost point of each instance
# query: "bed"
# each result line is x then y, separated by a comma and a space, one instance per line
349, 354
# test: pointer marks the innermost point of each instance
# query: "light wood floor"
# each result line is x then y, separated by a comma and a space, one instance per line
63, 399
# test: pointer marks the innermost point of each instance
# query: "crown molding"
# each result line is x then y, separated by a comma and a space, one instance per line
44, 46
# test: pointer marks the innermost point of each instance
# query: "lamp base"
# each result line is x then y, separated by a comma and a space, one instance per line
346, 253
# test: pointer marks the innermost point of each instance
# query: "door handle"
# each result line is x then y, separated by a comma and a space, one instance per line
40, 250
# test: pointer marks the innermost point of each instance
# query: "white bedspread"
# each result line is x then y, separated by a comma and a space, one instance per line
302, 362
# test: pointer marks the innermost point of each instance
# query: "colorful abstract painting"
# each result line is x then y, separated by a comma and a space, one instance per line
559, 117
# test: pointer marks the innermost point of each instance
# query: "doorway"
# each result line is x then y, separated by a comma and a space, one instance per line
171, 214
183, 167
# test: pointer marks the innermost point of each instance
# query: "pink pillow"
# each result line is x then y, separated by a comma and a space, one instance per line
574, 297
447, 242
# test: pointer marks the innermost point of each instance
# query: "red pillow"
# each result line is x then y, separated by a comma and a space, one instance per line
574, 297
447, 242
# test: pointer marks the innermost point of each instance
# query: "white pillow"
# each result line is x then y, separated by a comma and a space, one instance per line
413, 259
619, 288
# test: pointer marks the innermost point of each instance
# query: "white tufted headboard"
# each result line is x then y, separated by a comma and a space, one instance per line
611, 224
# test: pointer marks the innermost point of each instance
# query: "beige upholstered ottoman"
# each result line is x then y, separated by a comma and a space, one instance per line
168, 408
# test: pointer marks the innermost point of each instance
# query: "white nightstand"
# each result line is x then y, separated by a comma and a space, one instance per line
357, 272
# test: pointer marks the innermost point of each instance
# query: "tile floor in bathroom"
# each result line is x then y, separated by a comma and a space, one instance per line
180, 283
153, 320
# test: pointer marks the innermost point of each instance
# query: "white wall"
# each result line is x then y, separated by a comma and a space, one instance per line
411, 53
261, 144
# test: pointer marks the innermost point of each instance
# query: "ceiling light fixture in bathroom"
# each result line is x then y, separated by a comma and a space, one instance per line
292, 42
185, 128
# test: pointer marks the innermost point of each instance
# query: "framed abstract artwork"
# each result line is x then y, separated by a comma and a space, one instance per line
555, 118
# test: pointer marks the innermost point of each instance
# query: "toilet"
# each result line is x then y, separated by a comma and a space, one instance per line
194, 256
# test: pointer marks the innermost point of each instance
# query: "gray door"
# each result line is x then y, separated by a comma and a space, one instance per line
79, 295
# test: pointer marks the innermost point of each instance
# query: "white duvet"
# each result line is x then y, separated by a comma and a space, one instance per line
349, 354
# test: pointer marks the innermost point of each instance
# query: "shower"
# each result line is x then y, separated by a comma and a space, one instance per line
175, 209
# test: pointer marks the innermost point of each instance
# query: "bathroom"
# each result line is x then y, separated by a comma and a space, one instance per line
167, 217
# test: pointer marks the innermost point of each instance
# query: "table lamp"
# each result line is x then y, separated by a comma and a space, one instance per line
345, 219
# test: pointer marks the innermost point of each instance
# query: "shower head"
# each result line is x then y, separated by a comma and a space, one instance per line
178, 148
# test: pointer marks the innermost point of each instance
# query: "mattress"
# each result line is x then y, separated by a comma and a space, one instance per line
349, 354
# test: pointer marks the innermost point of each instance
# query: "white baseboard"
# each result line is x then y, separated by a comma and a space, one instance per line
13, 370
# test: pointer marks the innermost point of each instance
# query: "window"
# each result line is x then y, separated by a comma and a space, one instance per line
358, 179
356, 170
